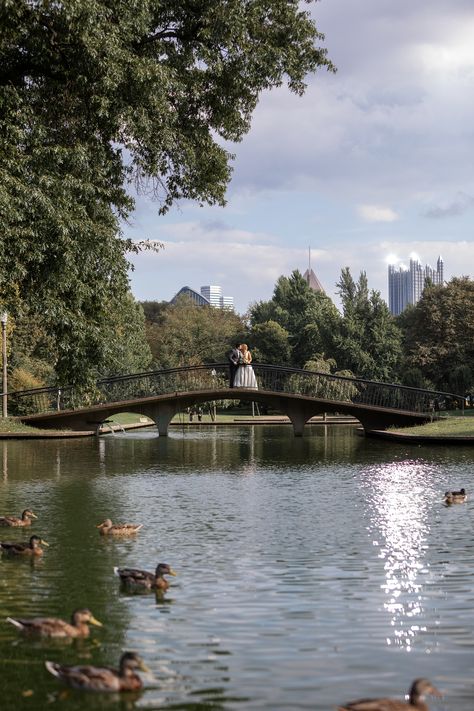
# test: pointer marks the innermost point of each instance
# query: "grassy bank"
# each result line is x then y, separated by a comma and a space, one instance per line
10, 425
461, 426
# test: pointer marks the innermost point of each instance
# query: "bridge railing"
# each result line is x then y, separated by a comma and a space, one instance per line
215, 378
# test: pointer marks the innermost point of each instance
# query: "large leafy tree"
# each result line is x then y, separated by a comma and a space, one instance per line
96, 95
307, 316
188, 334
367, 340
438, 336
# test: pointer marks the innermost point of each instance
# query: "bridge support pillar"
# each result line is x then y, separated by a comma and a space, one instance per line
161, 416
299, 416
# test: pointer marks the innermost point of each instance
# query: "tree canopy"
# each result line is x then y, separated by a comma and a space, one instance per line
438, 336
307, 317
187, 334
97, 96
367, 340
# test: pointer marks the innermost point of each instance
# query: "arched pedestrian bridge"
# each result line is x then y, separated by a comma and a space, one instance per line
161, 394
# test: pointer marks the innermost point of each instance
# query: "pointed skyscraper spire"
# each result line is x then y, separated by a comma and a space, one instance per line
311, 278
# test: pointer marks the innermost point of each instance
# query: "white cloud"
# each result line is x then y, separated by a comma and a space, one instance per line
377, 213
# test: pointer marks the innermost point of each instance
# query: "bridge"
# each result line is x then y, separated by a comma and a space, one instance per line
161, 394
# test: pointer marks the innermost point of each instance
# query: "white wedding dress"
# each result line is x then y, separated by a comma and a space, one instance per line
245, 377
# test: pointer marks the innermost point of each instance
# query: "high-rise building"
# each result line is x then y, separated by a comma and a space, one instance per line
213, 294
209, 296
405, 285
227, 302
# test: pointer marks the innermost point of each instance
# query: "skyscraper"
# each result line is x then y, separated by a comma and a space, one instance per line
405, 285
213, 294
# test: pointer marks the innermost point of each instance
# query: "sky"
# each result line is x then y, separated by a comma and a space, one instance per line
373, 163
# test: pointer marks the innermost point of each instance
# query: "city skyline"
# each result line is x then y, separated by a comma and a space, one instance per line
369, 162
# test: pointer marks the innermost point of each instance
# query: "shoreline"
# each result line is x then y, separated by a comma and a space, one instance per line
112, 428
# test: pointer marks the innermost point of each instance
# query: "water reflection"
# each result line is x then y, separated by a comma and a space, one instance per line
400, 495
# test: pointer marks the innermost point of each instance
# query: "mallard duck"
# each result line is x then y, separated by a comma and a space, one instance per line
418, 689
33, 547
24, 520
455, 497
55, 627
107, 528
143, 580
89, 678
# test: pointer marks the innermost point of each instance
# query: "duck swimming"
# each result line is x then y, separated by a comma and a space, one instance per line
89, 678
107, 528
455, 497
418, 689
143, 580
55, 627
24, 520
32, 548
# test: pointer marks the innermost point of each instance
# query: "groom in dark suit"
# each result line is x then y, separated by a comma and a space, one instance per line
234, 357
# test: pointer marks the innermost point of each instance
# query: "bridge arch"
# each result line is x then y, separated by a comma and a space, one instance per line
300, 394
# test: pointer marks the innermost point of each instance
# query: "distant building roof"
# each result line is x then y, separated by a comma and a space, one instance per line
313, 281
195, 296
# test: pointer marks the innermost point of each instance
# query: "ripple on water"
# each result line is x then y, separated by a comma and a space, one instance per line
310, 571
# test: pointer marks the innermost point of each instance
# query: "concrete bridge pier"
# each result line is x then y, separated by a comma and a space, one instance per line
161, 415
299, 414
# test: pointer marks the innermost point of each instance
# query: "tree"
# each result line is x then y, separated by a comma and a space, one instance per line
192, 335
438, 336
306, 315
368, 341
270, 343
98, 96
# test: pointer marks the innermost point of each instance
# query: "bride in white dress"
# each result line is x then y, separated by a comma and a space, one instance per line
245, 377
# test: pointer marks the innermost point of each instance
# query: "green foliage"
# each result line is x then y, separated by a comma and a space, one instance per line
128, 348
438, 335
154, 310
269, 343
368, 340
307, 316
192, 335
99, 95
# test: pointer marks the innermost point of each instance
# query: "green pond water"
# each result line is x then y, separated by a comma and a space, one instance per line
310, 571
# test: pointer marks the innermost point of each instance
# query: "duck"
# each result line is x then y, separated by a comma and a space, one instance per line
418, 689
101, 679
143, 580
455, 497
107, 528
32, 548
17, 521
55, 627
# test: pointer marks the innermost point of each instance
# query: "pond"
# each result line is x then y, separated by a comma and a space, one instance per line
311, 571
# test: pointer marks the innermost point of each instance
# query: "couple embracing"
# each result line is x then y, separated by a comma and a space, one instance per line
241, 373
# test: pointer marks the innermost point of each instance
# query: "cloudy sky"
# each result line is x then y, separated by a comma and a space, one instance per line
373, 162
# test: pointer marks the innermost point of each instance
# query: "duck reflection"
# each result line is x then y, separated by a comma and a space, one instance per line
401, 517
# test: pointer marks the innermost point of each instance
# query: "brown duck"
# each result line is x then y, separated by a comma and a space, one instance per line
455, 497
17, 521
32, 548
107, 528
55, 627
143, 580
89, 678
418, 689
